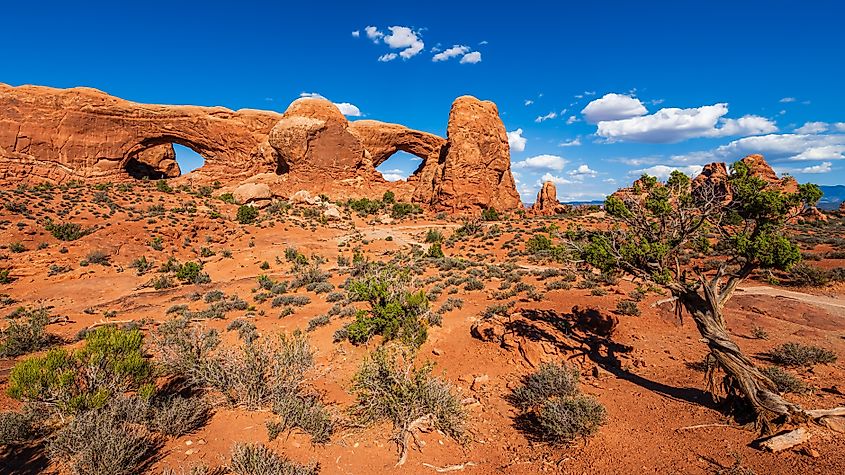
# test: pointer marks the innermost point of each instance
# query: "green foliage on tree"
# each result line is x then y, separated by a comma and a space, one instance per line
743, 219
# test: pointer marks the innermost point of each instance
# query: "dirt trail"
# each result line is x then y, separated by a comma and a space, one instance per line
836, 305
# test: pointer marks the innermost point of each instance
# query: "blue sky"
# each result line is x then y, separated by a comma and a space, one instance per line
591, 93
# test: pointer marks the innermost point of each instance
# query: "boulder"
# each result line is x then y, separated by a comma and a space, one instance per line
250, 192
332, 213
304, 197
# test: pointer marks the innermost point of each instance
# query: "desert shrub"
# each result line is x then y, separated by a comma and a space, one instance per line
490, 214
389, 387
450, 304
296, 300
627, 307
98, 257
803, 274
395, 311
66, 231
191, 273
759, 333
26, 333
255, 375
797, 354
435, 250
552, 407
227, 198
141, 265
17, 247
473, 284
785, 382
163, 186
388, 197
247, 214
542, 247
101, 441
335, 296
257, 459
309, 276
160, 282
111, 362
365, 206
16, 428
5, 277
304, 411
318, 321
176, 415
564, 420
400, 210
433, 236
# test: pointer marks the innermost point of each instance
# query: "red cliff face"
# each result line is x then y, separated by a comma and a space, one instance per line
81, 133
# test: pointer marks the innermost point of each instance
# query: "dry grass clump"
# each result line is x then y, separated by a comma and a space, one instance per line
256, 459
785, 382
26, 333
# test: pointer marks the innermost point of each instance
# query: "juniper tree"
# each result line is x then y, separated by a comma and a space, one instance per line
741, 218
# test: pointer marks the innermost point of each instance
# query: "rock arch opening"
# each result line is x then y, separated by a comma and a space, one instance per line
162, 158
399, 166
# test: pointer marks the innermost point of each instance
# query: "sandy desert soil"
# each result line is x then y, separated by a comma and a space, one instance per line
660, 419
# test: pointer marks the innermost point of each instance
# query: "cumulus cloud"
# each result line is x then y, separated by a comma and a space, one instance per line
542, 162
570, 143
542, 118
449, 53
663, 171
571, 120
788, 99
517, 141
557, 180
825, 152
813, 128
387, 57
347, 109
671, 125
528, 102
783, 146
840, 126
356, 33
393, 176
406, 39
471, 58
583, 171
613, 106
824, 167
373, 33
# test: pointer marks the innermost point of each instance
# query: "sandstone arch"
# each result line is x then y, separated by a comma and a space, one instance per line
93, 134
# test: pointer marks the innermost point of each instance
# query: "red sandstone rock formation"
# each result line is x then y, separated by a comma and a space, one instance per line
86, 133
547, 203
82, 133
474, 170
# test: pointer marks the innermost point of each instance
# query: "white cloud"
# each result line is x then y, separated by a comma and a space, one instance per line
825, 152
557, 180
613, 106
528, 102
449, 53
840, 126
788, 99
471, 58
356, 33
347, 109
583, 171
550, 115
516, 141
406, 39
571, 120
781, 146
824, 167
373, 33
813, 128
393, 176
570, 143
387, 57
543, 162
672, 125
663, 171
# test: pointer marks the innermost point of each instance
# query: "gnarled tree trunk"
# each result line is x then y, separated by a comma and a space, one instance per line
742, 378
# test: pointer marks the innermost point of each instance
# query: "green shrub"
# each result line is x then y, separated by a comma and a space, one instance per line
163, 186
564, 420
26, 333
5, 277
435, 251
797, 354
550, 380
227, 198
191, 273
490, 214
247, 214
365, 206
627, 307
388, 197
111, 362
66, 231
400, 210
433, 236
17, 247
395, 311
256, 459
